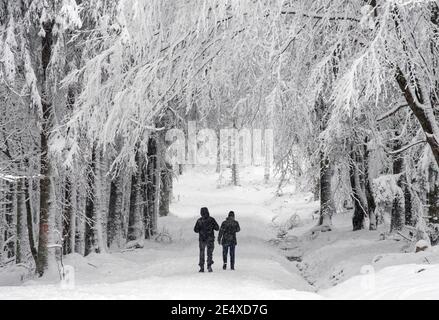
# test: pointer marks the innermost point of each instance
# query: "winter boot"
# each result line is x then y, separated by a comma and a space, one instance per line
209, 268
201, 269
224, 266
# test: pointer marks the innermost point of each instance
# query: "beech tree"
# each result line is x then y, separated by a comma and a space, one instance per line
89, 88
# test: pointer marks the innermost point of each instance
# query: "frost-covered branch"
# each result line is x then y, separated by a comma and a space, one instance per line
395, 152
391, 112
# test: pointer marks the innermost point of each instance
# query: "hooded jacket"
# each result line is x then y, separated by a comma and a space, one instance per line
228, 230
205, 226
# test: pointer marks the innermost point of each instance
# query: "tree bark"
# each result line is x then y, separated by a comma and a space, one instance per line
371, 206
134, 219
326, 204
19, 248
358, 190
45, 164
423, 112
9, 219
114, 225
151, 189
433, 194
397, 219
67, 217
327, 208
90, 239
145, 204
165, 190
29, 221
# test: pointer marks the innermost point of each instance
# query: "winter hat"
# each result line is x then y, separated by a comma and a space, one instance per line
231, 214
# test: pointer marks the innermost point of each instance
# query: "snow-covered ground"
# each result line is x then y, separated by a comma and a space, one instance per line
337, 264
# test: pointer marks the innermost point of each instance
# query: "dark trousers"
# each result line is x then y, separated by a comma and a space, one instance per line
209, 244
226, 248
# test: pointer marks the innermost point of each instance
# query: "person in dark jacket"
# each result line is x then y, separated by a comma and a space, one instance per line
227, 238
205, 227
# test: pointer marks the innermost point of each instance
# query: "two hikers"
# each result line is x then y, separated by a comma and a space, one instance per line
205, 227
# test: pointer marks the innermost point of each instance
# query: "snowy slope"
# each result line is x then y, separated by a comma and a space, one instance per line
408, 281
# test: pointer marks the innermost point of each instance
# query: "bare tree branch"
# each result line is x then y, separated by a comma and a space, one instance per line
406, 147
391, 112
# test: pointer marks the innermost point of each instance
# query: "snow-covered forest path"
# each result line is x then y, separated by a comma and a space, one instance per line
169, 270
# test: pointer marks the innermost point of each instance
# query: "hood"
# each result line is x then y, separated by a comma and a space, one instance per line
204, 212
231, 216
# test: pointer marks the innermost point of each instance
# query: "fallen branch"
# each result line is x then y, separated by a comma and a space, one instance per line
404, 236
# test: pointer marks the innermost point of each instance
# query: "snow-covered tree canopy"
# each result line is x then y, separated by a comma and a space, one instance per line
88, 88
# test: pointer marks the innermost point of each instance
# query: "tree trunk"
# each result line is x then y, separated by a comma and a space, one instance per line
2, 218
433, 194
409, 218
417, 96
45, 165
235, 174
29, 221
316, 189
326, 204
9, 217
327, 208
165, 190
371, 206
101, 202
80, 202
90, 241
19, 248
144, 195
157, 181
151, 189
358, 190
423, 112
114, 225
134, 219
397, 219
67, 217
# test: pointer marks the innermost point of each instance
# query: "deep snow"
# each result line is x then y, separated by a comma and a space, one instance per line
168, 270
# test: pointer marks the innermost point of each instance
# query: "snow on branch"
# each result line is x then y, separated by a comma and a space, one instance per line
319, 17
391, 112
406, 147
